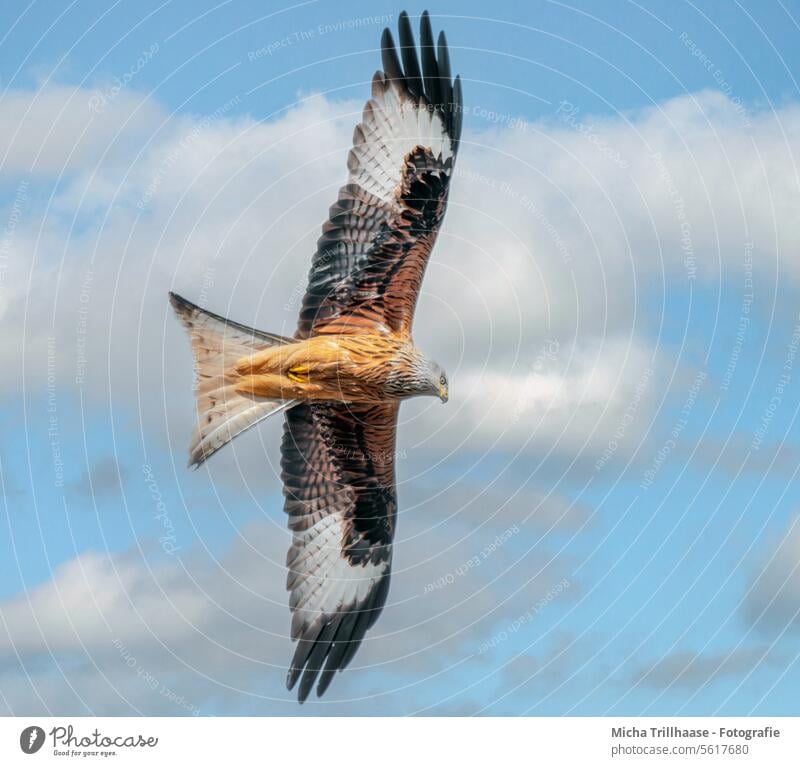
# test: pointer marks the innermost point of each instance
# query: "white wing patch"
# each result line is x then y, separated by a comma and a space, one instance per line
322, 581
367, 270
393, 125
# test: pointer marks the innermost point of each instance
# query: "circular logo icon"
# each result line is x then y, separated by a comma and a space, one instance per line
31, 739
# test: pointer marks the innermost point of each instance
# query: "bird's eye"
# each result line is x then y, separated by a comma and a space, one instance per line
443, 381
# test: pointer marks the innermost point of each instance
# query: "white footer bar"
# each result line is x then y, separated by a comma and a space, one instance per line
407, 741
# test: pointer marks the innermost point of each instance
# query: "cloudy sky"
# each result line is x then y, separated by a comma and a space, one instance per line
604, 517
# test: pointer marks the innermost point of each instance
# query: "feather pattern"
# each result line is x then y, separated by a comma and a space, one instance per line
338, 458
341, 379
338, 475
223, 411
375, 245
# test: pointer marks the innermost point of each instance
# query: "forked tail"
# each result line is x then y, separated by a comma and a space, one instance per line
222, 411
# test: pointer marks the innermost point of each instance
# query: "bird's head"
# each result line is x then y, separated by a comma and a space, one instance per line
416, 375
437, 378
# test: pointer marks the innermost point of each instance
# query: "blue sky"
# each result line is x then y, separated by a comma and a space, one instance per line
614, 296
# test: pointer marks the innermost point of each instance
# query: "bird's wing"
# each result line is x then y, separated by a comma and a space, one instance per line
374, 247
338, 478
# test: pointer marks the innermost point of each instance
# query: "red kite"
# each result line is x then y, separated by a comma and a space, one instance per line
341, 378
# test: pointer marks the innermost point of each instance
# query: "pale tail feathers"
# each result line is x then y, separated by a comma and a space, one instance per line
222, 412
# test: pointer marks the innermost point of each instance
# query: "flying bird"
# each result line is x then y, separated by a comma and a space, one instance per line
340, 380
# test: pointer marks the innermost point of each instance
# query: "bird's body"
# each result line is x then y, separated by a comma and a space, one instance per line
357, 368
341, 378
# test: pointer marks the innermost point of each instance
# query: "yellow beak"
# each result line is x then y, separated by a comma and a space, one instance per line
444, 393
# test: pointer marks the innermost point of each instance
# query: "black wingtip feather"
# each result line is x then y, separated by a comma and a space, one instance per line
427, 75
391, 64
430, 69
444, 57
315, 660
304, 648
458, 110
338, 647
359, 630
445, 80
408, 51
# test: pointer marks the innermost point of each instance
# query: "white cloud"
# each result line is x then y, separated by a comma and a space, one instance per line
94, 636
581, 399
547, 240
550, 254
55, 129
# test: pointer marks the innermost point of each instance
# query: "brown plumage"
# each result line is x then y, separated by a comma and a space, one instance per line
341, 379
340, 368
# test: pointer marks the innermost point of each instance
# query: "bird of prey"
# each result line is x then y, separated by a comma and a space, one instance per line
340, 380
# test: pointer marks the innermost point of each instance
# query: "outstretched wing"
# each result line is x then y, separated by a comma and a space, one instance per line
338, 478
374, 247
